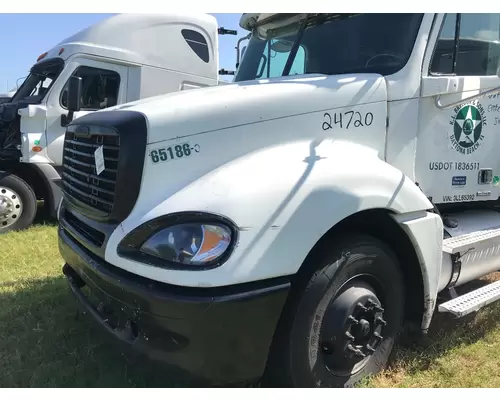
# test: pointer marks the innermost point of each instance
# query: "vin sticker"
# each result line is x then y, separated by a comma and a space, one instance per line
456, 198
172, 153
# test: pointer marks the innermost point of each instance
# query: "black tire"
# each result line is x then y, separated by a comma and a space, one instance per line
28, 198
310, 347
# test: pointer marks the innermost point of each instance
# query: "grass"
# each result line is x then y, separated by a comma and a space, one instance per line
455, 354
46, 342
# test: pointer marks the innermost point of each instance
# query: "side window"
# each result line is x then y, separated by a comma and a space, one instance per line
42, 87
197, 42
478, 48
442, 60
100, 88
274, 59
471, 50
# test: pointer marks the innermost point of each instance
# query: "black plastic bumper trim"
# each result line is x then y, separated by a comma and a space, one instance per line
217, 335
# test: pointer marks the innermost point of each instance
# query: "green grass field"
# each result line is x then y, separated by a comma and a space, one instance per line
46, 342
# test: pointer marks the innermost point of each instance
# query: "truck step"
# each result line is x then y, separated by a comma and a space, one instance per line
465, 242
472, 301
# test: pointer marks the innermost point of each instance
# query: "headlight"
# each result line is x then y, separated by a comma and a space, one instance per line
191, 244
181, 241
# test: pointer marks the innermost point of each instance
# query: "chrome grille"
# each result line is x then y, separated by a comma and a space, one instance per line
79, 176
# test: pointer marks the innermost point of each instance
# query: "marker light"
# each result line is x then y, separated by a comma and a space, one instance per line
41, 56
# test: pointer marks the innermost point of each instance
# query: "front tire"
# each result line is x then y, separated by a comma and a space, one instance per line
17, 204
340, 326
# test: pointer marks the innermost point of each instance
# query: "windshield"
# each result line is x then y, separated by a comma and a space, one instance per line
40, 79
332, 44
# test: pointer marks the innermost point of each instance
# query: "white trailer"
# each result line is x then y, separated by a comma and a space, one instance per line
118, 60
289, 225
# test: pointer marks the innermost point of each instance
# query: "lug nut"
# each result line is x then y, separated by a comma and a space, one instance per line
349, 336
362, 307
370, 349
375, 305
381, 321
378, 336
356, 351
352, 319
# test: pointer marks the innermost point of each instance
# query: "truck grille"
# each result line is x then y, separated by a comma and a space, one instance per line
79, 176
107, 198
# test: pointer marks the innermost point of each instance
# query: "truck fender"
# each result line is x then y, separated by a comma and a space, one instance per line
282, 204
51, 179
425, 231
44, 179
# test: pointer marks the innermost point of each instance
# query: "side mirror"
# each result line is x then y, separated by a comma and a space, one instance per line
73, 96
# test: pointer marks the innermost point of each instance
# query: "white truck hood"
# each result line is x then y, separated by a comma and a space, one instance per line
182, 114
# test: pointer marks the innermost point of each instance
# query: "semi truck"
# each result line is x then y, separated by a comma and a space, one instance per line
286, 228
5, 97
123, 58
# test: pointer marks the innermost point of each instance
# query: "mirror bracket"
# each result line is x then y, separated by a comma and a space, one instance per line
66, 119
225, 72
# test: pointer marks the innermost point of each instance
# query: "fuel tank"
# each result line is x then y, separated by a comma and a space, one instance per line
481, 257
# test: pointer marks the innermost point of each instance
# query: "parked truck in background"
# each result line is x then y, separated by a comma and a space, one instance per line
120, 59
288, 226
5, 97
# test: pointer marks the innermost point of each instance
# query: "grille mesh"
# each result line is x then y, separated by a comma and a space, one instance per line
79, 176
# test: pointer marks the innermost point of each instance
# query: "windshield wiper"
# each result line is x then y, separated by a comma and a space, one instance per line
295, 46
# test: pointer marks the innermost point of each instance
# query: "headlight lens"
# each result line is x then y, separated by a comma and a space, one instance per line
189, 243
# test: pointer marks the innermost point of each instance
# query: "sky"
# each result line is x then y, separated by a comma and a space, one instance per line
33, 34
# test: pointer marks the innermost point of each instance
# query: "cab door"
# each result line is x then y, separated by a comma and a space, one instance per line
104, 85
457, 146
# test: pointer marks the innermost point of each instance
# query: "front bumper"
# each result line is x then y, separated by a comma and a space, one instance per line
220, 335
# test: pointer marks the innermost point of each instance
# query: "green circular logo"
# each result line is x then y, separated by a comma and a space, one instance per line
467, 127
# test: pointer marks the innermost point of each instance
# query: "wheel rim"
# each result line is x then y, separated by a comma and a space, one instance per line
11, 207
352, 328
